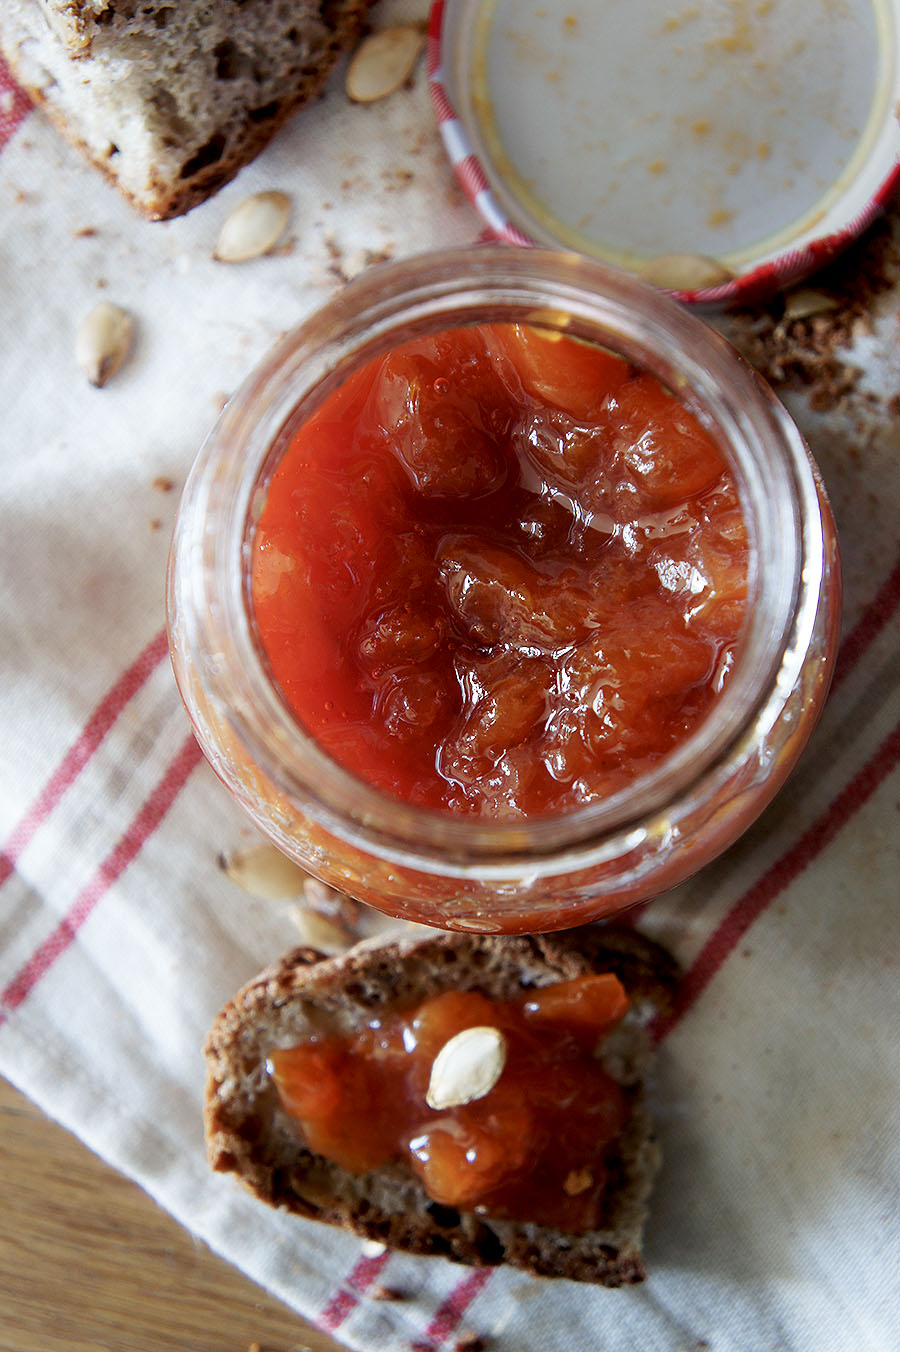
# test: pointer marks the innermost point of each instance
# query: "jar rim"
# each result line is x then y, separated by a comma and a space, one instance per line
777, 487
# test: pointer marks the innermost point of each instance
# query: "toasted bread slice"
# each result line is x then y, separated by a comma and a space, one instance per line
250, 1134
170, 98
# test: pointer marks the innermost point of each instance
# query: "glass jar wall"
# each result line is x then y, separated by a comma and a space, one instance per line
461, 871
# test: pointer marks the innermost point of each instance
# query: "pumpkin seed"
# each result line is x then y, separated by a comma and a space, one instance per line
467, 1067
318, 896
263, 871
383, 62
103, 342
320, 931
805, 303
253, 227
684, 272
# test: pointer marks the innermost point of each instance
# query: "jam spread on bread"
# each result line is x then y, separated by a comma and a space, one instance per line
538, 1145
500, 572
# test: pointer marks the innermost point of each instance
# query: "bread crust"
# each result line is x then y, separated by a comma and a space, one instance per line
182, 170
250, 1135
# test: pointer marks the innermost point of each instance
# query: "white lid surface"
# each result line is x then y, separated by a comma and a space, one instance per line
749, 131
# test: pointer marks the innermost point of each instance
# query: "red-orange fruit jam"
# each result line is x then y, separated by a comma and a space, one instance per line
539, 1145
500, 572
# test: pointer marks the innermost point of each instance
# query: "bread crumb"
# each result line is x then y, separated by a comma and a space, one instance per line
380, 1292
163, 484
355, 263
811, 353
470, 1342
346, 268
373, 1248
86, 232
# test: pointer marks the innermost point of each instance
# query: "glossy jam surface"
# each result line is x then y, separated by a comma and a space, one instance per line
536, 1146
500, 572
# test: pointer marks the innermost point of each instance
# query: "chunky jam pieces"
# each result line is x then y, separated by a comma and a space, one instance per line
500, 572
539, 1145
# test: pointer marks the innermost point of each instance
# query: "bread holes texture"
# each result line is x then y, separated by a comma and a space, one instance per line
171, 100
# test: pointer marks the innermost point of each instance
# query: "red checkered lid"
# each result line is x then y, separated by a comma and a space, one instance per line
759, 135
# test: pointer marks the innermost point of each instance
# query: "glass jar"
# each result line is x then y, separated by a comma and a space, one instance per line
550, 872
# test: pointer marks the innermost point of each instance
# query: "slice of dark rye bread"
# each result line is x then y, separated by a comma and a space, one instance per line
249, 1134
171, 99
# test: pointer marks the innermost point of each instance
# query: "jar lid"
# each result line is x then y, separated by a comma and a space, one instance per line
721, 150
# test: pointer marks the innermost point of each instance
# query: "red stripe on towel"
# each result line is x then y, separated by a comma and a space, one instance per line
782, 873
15, 105
78, 755
448, 1315
342, 1302
114, 865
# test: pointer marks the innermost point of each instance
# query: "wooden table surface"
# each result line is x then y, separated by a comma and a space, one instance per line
88, 1263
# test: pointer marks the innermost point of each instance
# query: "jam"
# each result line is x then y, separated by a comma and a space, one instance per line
539, 1145
500, 572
